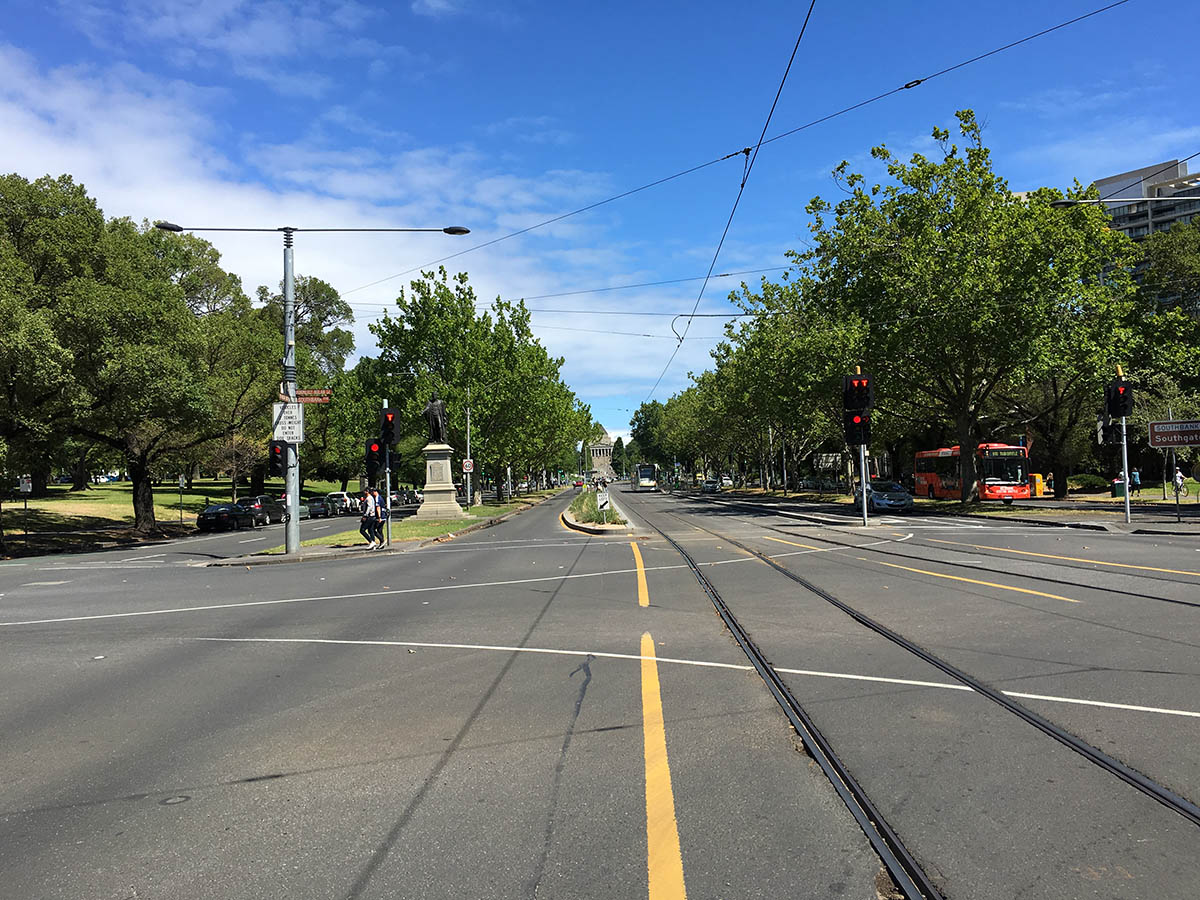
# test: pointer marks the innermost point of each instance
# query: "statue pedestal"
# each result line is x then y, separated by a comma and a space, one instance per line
440, 501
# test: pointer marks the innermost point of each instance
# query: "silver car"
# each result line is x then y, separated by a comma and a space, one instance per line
884, 496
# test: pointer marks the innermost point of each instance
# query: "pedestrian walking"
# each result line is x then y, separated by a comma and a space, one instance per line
367, 526
1135, 481
380, 517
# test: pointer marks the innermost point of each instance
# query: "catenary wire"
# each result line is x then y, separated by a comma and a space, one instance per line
1151, 175
750, 159
907, 86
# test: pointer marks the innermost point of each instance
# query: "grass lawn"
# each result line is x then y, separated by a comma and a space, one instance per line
412, 529
103, 515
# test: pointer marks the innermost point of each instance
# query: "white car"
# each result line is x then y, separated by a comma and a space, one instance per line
342, 502
885, 495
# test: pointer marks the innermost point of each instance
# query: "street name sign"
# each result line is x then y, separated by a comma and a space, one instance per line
288, 420
1165, 435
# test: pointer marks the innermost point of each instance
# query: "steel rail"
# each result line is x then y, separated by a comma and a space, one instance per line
1128, 774
980, 552
904, 869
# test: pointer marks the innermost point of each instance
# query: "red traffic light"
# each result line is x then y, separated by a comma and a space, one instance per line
857, 420
389, 416
374, 448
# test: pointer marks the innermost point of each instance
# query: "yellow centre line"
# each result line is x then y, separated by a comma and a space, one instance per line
664, 863
805, 546
1003, 587
643, 591
1095, 562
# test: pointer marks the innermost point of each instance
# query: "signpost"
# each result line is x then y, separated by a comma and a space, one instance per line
602, 503
1171, 435
26, 490
182, 485
468, 466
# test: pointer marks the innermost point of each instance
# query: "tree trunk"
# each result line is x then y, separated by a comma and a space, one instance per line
143, 494
258, 479
967, 445
40, 478
345, 479
80, 474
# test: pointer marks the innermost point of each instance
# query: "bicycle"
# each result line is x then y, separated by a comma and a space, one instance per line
1181, 490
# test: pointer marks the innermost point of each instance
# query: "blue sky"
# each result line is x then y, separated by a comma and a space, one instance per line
501, 115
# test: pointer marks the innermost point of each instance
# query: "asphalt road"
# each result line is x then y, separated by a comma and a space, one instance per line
529, 712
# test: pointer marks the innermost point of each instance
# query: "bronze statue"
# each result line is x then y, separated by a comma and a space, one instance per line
435, 415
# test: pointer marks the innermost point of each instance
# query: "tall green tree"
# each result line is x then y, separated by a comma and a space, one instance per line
958, 280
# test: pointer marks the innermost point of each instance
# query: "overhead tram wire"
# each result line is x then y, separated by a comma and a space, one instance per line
736, 200
841, 112
1151, 175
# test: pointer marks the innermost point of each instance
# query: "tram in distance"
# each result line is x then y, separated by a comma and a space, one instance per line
645, 477
1002, 469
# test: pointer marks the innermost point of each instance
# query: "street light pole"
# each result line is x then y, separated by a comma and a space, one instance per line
292, 471
292, 476
470, 493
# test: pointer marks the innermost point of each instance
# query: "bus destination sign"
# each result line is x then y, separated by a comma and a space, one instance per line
1005, 451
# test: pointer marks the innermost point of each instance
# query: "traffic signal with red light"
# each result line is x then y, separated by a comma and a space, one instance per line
277, 457
1118, 398
387, 427
858, 392
374, 457
858, 426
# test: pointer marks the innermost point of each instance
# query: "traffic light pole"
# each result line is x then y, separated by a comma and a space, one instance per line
1125, 467
387, 483
292, 476
862, 479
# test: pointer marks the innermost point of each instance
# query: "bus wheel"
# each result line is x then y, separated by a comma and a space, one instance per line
1007, 501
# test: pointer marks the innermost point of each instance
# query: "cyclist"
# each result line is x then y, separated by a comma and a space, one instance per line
1178, 480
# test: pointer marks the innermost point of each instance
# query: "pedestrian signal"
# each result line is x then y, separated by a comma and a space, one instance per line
277, 457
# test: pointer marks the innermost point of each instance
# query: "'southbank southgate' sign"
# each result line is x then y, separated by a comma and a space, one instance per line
1165, 435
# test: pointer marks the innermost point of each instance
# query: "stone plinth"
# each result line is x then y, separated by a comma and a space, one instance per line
439, 499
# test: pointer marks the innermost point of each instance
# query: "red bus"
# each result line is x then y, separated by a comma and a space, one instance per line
1002, 470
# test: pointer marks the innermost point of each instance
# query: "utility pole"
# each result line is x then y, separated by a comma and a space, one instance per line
387, 482
292, 476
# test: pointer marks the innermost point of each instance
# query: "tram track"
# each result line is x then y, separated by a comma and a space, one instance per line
905, 871
976, 550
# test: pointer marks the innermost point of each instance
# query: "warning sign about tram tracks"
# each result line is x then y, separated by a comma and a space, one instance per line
1164, 435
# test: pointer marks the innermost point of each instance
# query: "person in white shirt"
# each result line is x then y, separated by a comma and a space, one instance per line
367, 528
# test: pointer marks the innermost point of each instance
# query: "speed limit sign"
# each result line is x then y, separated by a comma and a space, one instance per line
468, 465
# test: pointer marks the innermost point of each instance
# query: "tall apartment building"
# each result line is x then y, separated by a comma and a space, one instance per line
1162, 181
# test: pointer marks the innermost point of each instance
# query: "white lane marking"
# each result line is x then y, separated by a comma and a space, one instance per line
251, 540
1153, 709
137, 558
320, 527
812, 673
389, 593
11, 565
95, 567
43, 583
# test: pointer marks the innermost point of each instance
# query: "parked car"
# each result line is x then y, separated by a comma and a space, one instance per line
320, 507
712, 486
222, 516
266, 508
343, 503
885, 495
726, 481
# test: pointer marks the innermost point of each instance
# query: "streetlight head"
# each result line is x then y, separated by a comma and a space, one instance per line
1062, 204
456, 229
168, 226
